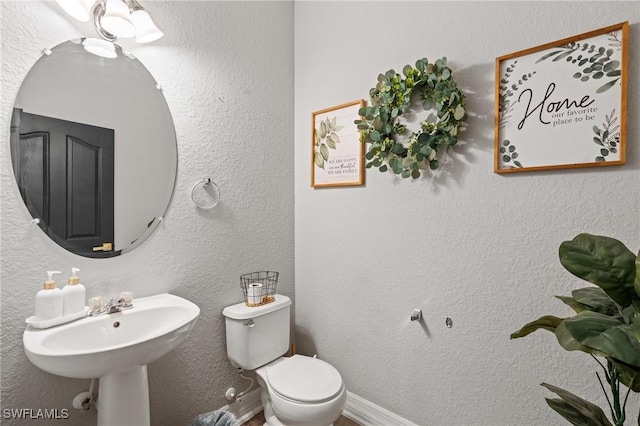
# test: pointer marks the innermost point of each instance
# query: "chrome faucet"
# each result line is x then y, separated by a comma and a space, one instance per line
98, 306
114, 305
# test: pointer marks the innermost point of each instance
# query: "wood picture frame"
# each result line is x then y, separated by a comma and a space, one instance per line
563, 104
337, 151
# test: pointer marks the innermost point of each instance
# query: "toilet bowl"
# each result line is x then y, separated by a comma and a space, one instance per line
301, 391
297, 390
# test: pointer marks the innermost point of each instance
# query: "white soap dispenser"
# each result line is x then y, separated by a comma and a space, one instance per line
49, 300
73, 294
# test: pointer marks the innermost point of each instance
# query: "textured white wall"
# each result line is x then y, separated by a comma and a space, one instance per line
227, 73
463, 242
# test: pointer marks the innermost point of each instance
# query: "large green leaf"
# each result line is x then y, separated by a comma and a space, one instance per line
556, 326
547, 322
607, 335
591, 299
569, 343
573, 304
572, 414
603, 261
577, 411
636, 283
636, 326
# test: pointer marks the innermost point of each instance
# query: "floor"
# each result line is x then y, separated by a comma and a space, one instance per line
258, 420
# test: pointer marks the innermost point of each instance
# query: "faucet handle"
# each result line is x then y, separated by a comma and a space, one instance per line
96, 305
127, 298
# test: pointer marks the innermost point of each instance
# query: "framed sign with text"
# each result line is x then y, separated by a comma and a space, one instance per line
337, 151
562, 104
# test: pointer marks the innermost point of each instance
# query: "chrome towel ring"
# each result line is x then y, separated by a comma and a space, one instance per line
205, 194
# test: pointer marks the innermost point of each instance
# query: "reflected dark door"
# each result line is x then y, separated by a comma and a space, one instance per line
65, 174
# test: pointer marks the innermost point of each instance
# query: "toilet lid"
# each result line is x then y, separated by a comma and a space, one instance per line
304, 379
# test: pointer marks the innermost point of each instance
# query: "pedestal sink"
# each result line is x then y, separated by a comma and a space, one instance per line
116, 348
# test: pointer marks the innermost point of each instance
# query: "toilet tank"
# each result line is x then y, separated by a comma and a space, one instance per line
257, 335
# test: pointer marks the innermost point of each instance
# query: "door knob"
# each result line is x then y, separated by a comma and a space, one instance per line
104, 247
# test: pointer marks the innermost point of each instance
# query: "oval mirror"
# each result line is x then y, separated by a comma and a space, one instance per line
93, 148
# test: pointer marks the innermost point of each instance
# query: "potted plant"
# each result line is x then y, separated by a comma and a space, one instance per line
606, 325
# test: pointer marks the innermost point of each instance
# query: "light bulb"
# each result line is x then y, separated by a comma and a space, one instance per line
116, 19
146, 30
100, 47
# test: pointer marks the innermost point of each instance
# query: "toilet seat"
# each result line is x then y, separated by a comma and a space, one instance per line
304, 379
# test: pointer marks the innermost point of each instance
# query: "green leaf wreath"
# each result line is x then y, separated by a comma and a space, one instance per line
390, 98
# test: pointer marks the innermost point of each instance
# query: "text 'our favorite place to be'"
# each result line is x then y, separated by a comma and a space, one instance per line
557, 112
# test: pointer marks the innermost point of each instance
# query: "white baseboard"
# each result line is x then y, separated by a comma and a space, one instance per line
369, 414
356, 408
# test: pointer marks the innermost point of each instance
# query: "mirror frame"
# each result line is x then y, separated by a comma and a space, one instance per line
118, 93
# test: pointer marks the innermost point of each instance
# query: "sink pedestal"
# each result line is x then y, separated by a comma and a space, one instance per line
123, 399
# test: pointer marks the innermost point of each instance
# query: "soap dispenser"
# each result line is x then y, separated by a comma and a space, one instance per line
49, 300
73, 294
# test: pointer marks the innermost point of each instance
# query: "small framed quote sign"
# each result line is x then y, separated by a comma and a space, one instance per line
337, 151
562, 104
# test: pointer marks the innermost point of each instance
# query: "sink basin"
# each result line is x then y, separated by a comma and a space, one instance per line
110, 344
114, 347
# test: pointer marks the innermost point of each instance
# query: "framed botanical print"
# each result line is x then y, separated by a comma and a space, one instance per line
563, 104
337, 151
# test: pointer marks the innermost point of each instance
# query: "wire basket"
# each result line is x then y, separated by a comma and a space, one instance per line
259, 288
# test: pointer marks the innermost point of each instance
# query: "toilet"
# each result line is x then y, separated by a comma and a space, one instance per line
297, 390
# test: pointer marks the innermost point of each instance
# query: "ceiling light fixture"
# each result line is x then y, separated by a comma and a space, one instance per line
115, 19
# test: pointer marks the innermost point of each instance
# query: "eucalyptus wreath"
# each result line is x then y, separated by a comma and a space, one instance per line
391, 97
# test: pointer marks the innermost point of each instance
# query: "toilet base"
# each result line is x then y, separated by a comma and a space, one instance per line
269, 416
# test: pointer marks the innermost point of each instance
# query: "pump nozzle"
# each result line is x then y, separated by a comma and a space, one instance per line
50, 274
50, 283
73, 279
